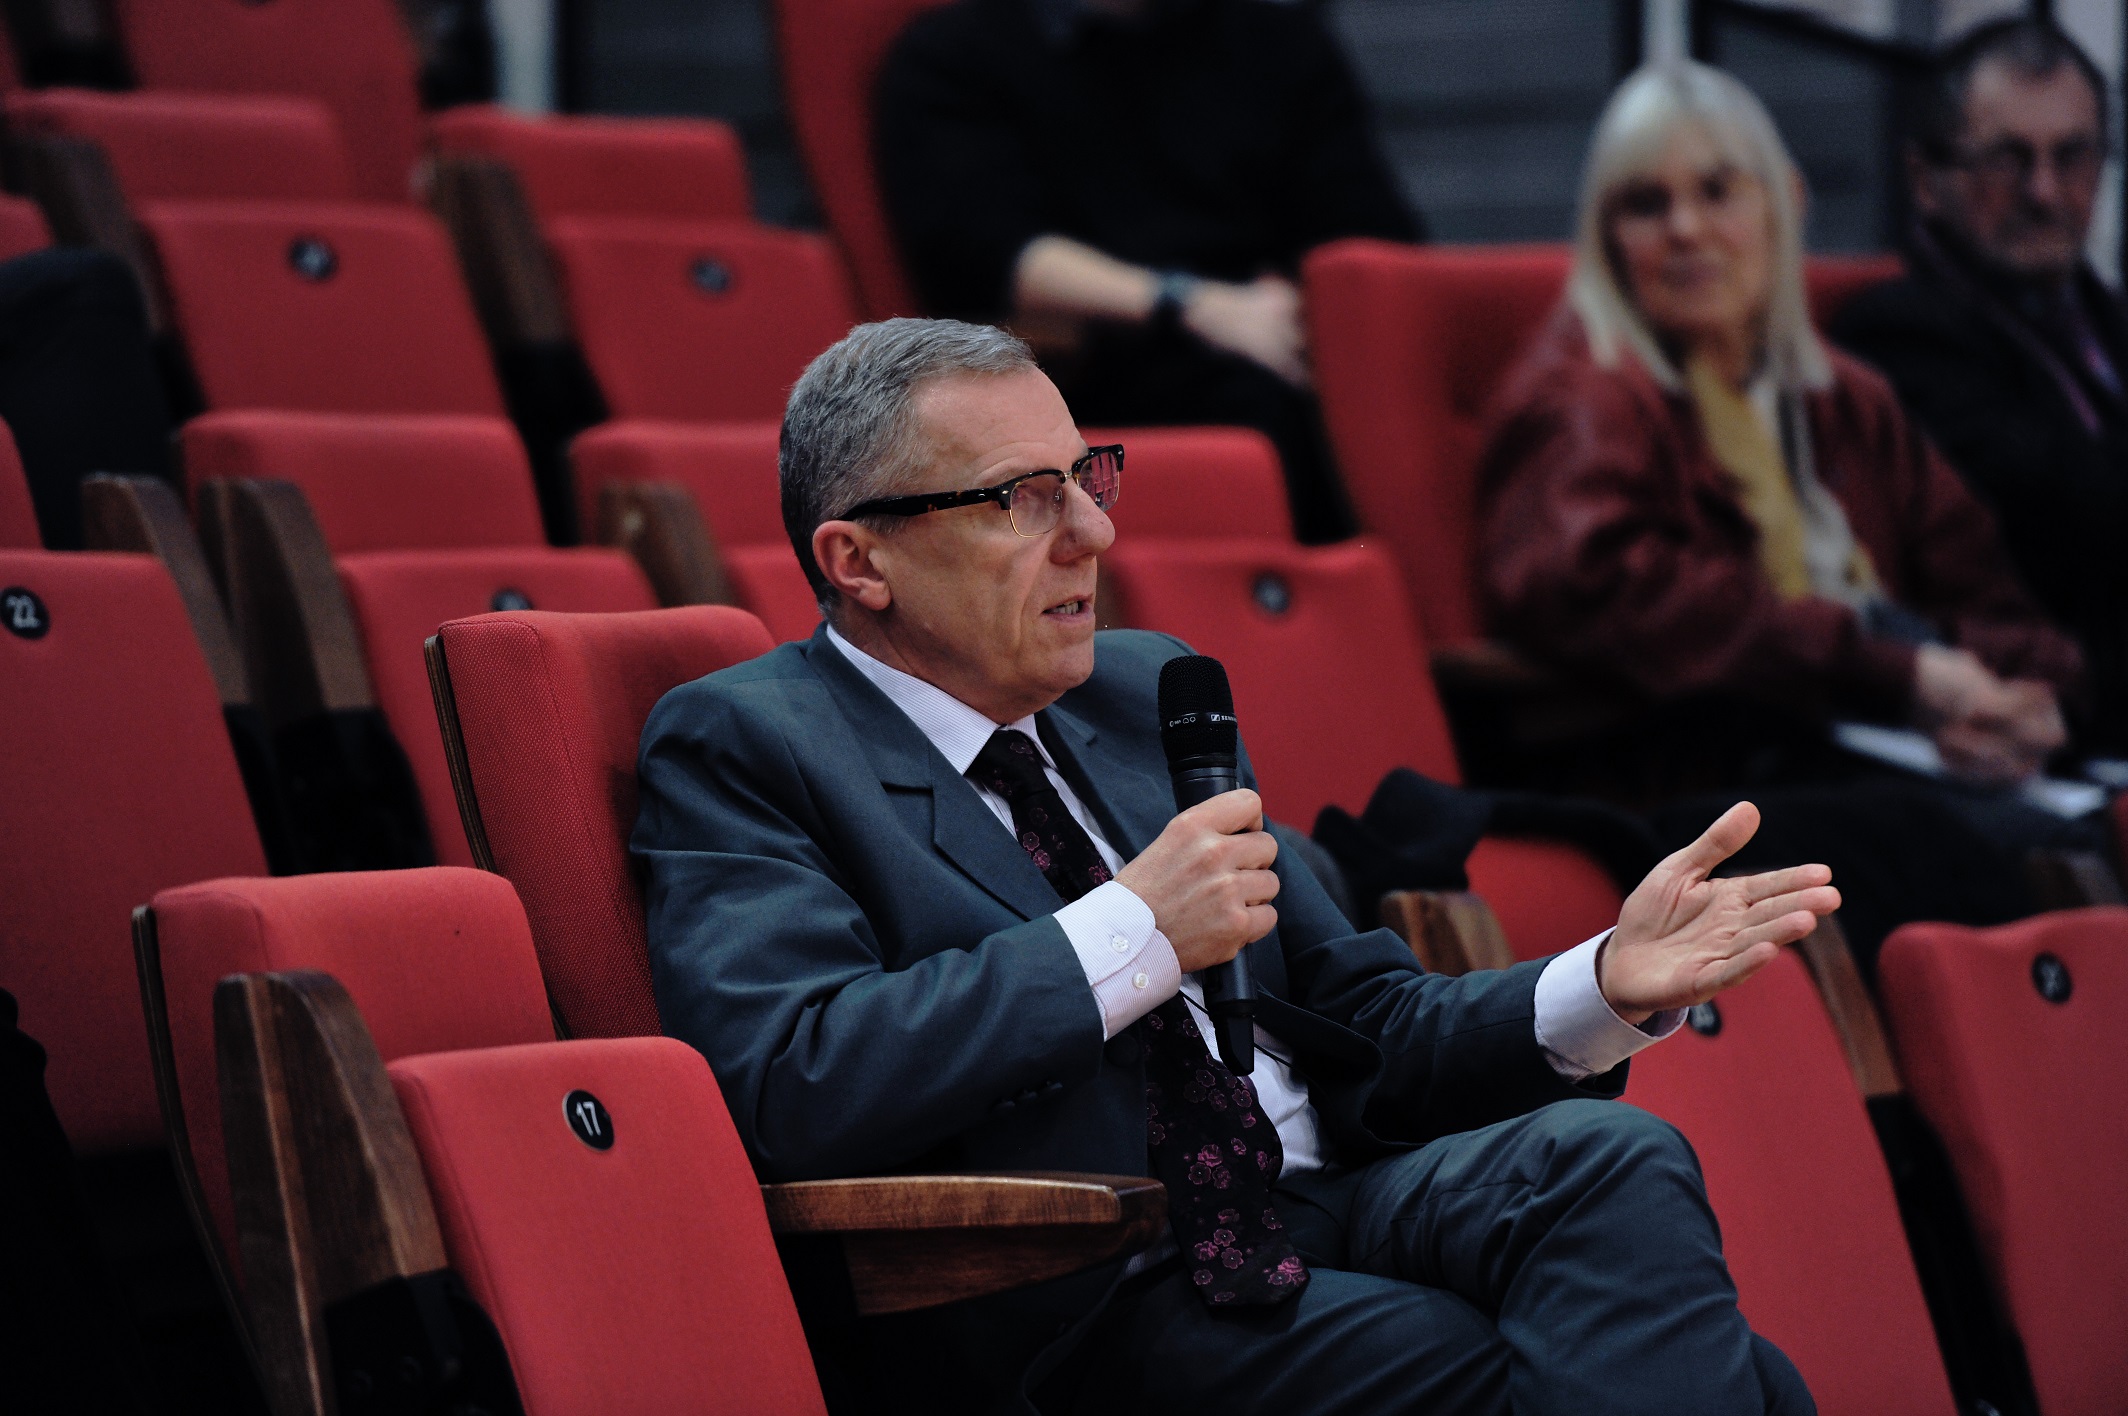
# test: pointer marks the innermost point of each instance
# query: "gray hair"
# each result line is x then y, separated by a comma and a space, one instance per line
849, 430
1648, 109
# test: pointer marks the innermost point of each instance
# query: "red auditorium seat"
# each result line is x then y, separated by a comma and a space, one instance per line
400, 597
584, 165
1331, 686
354, 56
832, 50
194, 146
709, 321
1210, 483
632, 1272
22, 228
118, 780
321, 307
542, 715
2010, 1041
1809, 1222
1408, 345
18, 514
438, 958
381, 482
729, 471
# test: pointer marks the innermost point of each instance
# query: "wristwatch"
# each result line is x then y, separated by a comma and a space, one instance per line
1172, 292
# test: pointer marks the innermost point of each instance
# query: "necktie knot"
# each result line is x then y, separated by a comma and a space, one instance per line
1010, 765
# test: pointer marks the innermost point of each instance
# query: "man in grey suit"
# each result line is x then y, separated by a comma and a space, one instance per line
917, 890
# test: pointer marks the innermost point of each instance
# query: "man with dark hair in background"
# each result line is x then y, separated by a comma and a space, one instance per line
1147, 174
2004, 343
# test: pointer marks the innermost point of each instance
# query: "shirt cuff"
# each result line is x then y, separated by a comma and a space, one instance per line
1129, 964
1582, 1036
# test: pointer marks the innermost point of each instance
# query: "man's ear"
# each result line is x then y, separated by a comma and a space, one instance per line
843, 551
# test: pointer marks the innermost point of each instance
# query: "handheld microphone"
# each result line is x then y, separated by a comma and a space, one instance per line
1203, 745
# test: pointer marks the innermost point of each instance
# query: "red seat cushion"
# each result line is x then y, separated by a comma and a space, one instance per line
381, 325
18, 514
832, 50
550, 710
435, 959
1809, 1224
710, 321
118, 781
401, 597
634, 1280
22, 228
381, 482
2026, 1094
354, 56
1215, 483
194, 145
688, 168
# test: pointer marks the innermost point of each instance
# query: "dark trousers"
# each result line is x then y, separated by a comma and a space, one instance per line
78, 382
1166, 375
1562, 1264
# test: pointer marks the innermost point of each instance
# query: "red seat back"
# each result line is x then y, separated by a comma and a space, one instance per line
631, 1274
22, 228
381, 482
1331, 685
710, 321
200, 146
2010, 1041
1214, 483
832, 50
435, 959
685, 168
18, 514
321, 307
118, 781
354, 56
550, 711
401, 597
1809, 1224
1329, 675
1409, 344
730, 471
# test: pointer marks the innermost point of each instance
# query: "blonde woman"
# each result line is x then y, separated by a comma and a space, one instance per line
1688, 493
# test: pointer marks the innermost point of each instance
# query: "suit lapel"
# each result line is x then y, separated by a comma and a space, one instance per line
963, 829
1132, 806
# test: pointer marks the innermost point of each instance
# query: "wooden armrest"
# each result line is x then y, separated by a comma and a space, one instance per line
143, 515
915, 1241
286, 603
506, 263
1854, 1015
659, 524
1449, 931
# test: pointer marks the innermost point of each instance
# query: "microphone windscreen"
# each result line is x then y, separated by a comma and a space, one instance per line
1196, 709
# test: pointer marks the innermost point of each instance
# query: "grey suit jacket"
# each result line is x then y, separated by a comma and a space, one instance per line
870, 963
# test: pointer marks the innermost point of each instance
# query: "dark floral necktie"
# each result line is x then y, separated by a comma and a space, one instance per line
1210, 1143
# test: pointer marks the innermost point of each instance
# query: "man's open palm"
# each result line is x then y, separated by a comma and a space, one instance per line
1683, 937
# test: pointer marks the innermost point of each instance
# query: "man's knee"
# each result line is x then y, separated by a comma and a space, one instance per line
1613, 1136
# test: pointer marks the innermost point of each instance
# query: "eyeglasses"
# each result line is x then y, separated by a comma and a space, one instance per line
2013, 161
1034, 500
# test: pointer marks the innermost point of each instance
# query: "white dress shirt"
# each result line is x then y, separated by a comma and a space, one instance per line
1131, 968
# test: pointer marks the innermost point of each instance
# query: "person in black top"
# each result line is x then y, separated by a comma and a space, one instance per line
1146, 174
2004, 343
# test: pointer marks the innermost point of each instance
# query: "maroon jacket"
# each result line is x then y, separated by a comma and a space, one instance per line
1612, 542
